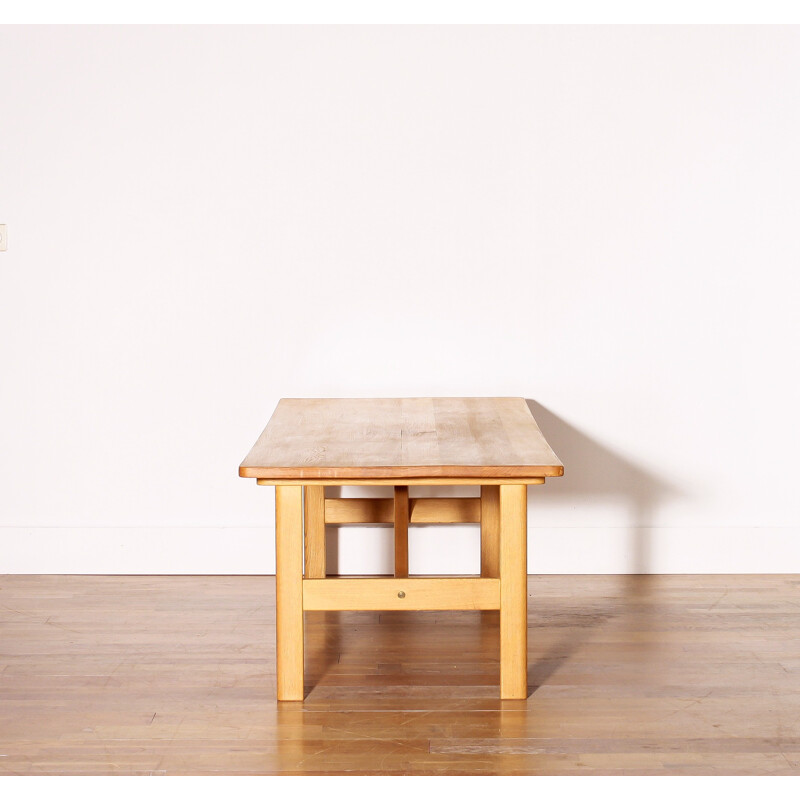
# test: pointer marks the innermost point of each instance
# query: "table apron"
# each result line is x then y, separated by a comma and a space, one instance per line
399, 481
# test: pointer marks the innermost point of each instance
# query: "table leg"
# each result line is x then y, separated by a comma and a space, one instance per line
289, 590
513, 592
401, 531
490, 531
314, 525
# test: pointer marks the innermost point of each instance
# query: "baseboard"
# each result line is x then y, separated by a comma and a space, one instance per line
250, 551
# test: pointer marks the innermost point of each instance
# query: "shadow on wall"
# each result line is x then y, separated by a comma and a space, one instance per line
593, 472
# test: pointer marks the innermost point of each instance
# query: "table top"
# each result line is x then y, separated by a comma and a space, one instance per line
420, 437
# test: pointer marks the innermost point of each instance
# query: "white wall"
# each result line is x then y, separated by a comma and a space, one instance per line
203, 220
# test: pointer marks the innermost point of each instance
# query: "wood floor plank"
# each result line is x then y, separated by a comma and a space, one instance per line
176, 675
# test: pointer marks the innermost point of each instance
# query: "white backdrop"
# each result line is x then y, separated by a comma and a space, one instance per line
202, 220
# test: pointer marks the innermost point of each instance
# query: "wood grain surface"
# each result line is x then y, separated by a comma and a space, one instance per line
427, 437
129, 675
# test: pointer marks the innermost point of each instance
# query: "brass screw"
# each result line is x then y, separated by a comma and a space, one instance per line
401, 594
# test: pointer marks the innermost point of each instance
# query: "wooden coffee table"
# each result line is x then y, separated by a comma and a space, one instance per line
493, 443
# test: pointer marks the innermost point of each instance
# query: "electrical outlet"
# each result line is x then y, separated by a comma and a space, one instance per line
3, 238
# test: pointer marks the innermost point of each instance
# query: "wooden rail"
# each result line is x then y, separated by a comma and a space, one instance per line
422, 511
401, 594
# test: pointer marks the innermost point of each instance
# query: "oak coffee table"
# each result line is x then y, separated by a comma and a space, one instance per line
490, 442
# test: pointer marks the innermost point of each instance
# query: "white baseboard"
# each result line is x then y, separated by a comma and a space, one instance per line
250, 551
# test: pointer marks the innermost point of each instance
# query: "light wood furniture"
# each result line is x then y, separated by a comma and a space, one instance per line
491, 443
174, 675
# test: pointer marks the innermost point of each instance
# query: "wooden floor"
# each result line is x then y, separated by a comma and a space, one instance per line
175, 675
